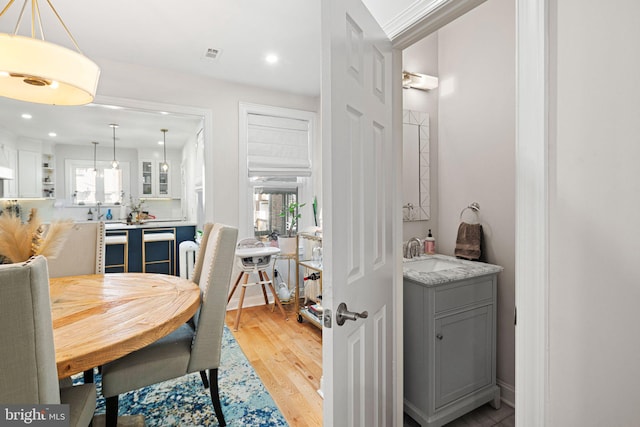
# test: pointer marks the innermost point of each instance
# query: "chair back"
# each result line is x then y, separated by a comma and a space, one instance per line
214, 277
82, 253
28, 359
197, 268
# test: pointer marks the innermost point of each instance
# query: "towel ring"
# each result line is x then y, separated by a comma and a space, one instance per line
475, 207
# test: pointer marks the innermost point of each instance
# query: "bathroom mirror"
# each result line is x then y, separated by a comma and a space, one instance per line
416, 205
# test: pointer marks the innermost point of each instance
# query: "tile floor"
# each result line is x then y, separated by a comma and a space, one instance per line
484, 416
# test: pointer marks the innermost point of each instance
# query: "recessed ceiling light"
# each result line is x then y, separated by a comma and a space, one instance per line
26, 116
160, 143
4, 74
53, 134
164, 113
271, 58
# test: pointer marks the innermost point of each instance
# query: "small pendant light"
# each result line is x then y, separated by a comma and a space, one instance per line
114, 163
165, 165
95, 146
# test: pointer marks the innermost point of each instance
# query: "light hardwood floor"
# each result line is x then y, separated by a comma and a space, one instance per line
287, 356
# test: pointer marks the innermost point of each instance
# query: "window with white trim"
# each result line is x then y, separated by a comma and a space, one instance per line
84, 185
275, 166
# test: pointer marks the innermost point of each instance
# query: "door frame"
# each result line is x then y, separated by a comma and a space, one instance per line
532, 194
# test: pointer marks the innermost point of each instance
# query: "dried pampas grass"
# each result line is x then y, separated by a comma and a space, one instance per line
20, 241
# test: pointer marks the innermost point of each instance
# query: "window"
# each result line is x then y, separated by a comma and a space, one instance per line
275, 166
85, 186
269, 203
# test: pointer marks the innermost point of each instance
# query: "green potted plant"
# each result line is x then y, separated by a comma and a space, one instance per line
292, 216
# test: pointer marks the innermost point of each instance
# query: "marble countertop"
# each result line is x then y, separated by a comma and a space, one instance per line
147, 224
464, 270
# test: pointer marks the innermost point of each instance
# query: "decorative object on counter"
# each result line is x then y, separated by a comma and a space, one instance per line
20, 241
165, 165
43, 72
114, 163
109, 216
469, 238
90, 215
430, 244
136, 210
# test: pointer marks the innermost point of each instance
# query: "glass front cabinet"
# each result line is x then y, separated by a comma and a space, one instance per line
154, 182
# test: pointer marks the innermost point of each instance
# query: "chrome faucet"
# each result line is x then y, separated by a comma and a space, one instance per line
412, 250
98, 214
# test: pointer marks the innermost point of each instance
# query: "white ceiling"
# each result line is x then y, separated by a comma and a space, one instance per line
176, 35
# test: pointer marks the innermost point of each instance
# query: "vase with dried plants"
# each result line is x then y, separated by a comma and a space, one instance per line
20, 241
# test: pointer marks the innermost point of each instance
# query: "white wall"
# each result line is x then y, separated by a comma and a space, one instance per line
222, 99
476, 150
422, 57
594, 155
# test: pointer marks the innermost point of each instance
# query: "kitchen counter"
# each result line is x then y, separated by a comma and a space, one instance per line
154, 223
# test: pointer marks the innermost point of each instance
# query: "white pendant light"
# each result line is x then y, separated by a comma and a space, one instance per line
114, 163
35, 70
165, 165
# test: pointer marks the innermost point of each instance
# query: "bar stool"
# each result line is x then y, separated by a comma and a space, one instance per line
254, 257
118, 237
157, 235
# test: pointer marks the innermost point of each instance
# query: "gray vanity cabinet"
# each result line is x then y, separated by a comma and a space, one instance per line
449, 348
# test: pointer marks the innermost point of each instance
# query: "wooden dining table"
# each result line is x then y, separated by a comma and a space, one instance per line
101, 317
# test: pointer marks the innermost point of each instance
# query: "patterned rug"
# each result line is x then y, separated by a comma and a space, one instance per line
185, 402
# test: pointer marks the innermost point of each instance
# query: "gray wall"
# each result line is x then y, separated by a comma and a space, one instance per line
594, 186
476, 149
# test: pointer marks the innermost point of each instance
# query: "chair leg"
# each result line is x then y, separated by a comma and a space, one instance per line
205, 381
88, 376
264, 291
112, 412
276, 300
235, 285
215, 396
242, 291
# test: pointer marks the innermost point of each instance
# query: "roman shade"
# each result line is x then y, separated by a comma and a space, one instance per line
278, 146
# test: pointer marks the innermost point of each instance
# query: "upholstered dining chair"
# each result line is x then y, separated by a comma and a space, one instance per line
195, 346
28, 370
82, 252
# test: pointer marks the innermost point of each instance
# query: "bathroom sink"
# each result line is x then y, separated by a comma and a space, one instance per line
430, 265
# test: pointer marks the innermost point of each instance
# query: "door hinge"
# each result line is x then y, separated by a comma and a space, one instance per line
326, 318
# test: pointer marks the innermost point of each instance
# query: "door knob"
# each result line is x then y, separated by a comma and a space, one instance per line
342, 314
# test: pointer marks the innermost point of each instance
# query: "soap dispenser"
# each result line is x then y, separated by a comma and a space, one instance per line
90, 215
430, 244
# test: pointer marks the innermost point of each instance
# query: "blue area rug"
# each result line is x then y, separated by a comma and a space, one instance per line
185, 402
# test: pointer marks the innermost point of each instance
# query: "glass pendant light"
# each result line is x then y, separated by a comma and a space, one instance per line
114, 163
165, 165
95, 146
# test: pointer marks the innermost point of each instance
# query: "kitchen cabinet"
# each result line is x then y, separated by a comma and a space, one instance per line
114, 253
29, 174
48, 176
449, 348
154, 182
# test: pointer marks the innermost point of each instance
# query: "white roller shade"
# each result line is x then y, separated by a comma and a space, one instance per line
278, 146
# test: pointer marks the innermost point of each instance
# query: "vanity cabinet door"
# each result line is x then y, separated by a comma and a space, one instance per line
463, 344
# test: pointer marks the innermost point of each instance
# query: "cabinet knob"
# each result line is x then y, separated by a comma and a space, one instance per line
439, 336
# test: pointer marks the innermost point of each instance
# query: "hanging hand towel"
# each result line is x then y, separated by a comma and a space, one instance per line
469, 241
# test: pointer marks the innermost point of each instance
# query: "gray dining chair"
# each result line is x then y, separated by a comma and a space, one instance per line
195, 346
82, 253
28, 366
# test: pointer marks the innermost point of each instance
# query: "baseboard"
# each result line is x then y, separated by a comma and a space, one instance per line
507, 393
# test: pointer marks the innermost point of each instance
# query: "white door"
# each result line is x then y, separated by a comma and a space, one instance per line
361, 212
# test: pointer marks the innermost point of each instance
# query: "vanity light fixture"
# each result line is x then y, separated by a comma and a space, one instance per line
418, 81
95, 147
35, 70
165, 165
114, 163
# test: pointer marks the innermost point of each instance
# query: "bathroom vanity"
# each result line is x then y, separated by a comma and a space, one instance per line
449, 338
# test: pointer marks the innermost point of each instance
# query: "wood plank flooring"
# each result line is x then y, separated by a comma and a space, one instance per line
287, 356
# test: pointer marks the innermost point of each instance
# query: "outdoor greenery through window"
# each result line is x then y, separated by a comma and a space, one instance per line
88, 186
269, 203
